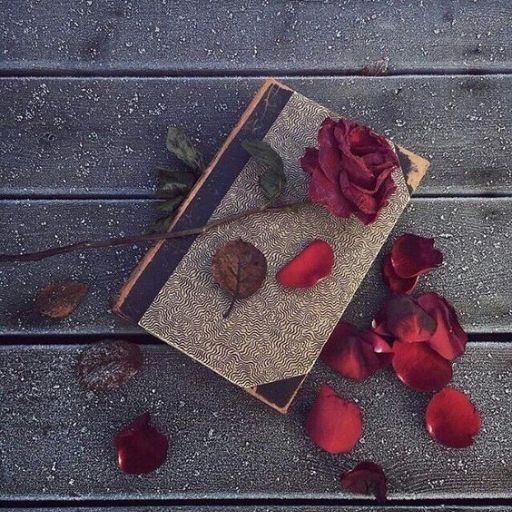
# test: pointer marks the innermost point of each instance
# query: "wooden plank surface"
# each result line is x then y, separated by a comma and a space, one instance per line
56, 440
252, 36
105, 137
474, 235
276, 508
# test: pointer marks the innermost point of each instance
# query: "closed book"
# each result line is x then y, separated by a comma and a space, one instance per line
271, 340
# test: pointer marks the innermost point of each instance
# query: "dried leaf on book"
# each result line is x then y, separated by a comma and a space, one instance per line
239, 268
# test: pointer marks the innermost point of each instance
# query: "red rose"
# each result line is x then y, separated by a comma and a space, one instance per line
351, 170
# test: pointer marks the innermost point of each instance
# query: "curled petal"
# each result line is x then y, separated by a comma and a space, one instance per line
310, 266
403, 319
452, 419
448, 339
366, 478
140, 447
334, 424
420, 367
394, 282
353, 354
309, 162
412, 255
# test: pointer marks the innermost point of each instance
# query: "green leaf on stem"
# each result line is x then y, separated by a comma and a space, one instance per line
273, 179
180, 145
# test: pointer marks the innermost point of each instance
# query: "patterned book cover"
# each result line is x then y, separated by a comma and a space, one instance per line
271, 340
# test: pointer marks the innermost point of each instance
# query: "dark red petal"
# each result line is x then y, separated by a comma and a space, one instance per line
420, 367
402, 318
140, 447
394, 282
309, 161
449, 339
353, 354
380, 346
412, 255
452, 419
334, 424
310, 266
366, 478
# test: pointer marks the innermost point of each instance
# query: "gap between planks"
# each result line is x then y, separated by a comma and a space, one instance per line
271, 505
245, 73
56, 339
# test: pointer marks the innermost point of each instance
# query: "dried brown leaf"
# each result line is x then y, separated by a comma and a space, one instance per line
108, 364
239, 268
60, 298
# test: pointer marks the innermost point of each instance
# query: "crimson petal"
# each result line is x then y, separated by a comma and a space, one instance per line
334, 423
449, 339
394, 282
366, 478
403, 319
452, 419
140, 447
420, 367
353, 354
310, 266
412, 255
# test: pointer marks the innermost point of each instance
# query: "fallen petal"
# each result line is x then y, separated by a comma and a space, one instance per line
448, 339
452, 419
334, 424
353, 354
412, 255
140, 447
394, 282
366, 478
310, 266
401, 318
420, 367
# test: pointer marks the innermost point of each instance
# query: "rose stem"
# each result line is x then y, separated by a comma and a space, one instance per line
144, 237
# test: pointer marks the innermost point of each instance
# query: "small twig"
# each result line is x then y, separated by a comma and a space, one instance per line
134, 239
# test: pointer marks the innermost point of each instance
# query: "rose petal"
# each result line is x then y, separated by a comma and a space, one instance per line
334, 424
140, 447
366, 478
412, 255
394, 282
310, 266
452, 419
402, 318
322, 192
420, 367
353, 354
309, 161
380, 346
449, 339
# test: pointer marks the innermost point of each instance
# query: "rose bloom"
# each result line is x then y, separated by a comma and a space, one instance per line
351, 171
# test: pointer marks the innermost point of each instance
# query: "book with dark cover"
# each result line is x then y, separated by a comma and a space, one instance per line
271, 340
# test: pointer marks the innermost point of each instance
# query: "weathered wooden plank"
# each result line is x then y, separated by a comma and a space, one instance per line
56, 440
253, 37
474, 235
105, 137
275, 508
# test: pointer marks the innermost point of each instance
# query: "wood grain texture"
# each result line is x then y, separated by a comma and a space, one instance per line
252, 36
274, 508
56, 439
105, 137
474, 235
